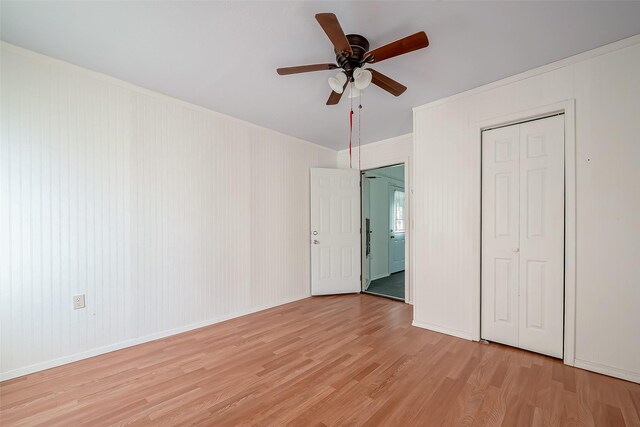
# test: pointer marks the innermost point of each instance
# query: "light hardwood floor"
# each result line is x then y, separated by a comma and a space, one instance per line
343, 360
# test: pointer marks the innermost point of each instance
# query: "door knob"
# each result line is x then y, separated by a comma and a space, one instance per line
315, 242
315, 233
392, 237
515, 249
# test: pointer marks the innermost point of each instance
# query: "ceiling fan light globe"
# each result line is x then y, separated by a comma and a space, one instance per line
337, 82
354, 92
362, 78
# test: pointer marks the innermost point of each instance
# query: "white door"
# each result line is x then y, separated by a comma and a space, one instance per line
396, 229
379, 225
500, 234
523, 235
542, 235
366, 231
335, 231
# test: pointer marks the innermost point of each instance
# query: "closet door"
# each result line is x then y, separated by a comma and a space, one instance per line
500, 239
523, 235
542, 236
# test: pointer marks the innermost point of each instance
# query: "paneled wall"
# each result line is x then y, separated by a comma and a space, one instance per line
605, 85
166, 215
380, 153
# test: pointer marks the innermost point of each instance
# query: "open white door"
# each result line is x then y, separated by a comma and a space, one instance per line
335, 231
366, 232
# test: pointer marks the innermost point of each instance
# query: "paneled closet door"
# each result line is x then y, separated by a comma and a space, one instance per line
500, 239
523, 235
542, 236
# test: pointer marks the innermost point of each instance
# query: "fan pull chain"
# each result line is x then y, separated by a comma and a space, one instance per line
359, 132
350, 126
350, 134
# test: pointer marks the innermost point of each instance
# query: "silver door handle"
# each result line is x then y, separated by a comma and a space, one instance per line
515, 249
315, 242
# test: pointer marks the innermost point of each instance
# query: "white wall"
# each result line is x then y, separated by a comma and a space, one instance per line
605, 84
166, 215
380, 153
385, 153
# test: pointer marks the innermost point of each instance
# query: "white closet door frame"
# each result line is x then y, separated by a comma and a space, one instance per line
568, 108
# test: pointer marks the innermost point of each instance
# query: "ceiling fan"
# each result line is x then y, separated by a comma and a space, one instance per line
352, 54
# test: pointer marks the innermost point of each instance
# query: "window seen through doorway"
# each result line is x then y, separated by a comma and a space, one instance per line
398, 211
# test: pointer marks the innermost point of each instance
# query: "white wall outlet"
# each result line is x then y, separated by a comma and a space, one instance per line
78, 301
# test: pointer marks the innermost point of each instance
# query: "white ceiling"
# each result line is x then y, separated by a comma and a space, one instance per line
223, 55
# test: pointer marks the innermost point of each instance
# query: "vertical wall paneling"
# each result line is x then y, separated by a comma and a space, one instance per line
605, 86
165, 215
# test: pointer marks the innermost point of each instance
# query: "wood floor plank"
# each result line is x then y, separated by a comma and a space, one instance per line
322, 361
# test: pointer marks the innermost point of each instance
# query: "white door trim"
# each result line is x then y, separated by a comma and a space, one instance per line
408, 236
568, 108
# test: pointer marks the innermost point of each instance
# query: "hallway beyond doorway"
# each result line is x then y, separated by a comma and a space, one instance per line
384, 231
391, 286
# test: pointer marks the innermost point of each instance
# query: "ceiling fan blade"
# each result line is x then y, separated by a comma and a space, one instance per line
335, 97
399, 47
387, 83
305, 68
331, 26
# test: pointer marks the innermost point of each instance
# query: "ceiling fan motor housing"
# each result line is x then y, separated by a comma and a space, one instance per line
359, 46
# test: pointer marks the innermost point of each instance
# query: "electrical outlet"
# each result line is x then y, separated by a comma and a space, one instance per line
78, 301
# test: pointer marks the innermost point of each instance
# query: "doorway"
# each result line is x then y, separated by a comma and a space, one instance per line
384, 226
522, 284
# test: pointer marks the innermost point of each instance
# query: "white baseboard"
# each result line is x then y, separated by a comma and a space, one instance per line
131, 342
582, 364
608, 370
443, 330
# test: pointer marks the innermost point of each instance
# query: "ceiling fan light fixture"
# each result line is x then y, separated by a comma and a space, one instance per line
337, 82
354, 92
362, 78
352, 52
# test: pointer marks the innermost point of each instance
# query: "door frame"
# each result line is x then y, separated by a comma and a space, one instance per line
568, 108
408, 253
